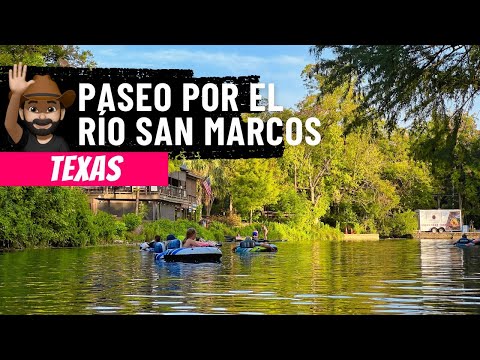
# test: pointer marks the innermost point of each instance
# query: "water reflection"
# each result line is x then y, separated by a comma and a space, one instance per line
446, 273
392, 277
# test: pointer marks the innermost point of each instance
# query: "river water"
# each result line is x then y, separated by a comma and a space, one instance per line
322, 277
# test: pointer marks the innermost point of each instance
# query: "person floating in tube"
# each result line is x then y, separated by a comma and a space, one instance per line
257, 240
464, 240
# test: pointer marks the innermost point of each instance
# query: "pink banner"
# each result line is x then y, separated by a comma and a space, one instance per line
83, 169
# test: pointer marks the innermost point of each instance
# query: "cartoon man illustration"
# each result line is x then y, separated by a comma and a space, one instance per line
41, 107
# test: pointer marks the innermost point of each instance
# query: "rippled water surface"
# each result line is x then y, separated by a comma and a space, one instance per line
385, 277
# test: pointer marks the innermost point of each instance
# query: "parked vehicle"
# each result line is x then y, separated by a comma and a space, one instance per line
440, 220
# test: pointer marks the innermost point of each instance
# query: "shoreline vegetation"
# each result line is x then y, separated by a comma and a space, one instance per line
58, 217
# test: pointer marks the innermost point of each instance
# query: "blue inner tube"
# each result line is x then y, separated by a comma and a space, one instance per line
465, 243
191, 255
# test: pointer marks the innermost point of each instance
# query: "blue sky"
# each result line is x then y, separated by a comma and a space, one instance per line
281, 65
278, 64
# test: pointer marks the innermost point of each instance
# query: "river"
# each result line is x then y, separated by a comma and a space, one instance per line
322, 277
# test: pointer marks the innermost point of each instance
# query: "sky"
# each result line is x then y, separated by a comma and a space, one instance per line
278, 64
281, 65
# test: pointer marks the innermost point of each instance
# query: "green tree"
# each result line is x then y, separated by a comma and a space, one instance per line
364, 191
403, 81
295, 205
454, 165
315, 169
254, 185
411, 177
46, 55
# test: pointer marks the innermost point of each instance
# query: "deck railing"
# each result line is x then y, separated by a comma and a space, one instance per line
170, 191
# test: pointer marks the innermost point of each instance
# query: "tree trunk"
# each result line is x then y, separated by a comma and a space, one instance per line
209, 208
230, 205
312, 195
251, 216
208, 205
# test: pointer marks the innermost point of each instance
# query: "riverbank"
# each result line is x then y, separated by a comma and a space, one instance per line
217, 230
116, 243
104, 229
444, 235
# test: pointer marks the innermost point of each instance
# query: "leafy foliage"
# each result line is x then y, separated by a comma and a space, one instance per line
46, 55
164, 227
402, 224
230, 220
106, 225
132, 221
403, 81
254, 185
48, 216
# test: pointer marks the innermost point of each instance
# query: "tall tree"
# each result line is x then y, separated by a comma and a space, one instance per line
404, 82
364, 191
455, 167
315, 169
411, 177
46, 55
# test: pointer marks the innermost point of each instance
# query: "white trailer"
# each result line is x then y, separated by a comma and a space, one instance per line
440, 220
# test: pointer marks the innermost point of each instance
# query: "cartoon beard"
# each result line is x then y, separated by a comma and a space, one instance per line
41, 132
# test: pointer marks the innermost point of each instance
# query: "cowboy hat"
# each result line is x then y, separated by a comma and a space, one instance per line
45, 88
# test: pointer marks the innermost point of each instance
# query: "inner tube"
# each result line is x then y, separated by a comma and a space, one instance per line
464, 243
255, 249
194, 255
259, 240
144, 246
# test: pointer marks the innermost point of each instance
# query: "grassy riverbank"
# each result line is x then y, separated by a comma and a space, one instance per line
217, 230
37, 217
105, 229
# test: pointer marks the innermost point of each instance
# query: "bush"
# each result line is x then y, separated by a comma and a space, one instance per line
132, 221
163, 227
132, 237
231, 220
294, 233
218, 230
291, 231
106, 226
401, 224
45, 216
120, 229
325, 232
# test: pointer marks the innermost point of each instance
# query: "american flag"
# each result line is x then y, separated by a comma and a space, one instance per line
206, 185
